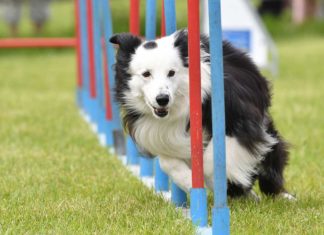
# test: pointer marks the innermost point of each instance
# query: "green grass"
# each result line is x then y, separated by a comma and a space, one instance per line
56, 179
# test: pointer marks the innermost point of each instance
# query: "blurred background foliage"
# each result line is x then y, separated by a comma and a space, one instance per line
61, 23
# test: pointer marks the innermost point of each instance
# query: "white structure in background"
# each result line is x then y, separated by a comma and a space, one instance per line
243, 27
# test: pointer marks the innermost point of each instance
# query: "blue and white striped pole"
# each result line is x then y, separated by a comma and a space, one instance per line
178, 196
220, 209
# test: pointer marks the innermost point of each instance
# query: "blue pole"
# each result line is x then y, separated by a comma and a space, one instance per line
132, 153
220, 210
84, 55
178, 196
98, 65
150, 20
115, 123
146, 164
170, 16
92, 102
108, 32
161, 179
198, 206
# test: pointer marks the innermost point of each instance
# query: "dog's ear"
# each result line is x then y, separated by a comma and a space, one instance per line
181, 43
126, 41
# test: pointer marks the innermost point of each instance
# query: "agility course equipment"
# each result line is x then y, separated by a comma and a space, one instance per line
95, 57
243, 27
37, 42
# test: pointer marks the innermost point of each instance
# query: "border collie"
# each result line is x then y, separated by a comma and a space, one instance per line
152, 89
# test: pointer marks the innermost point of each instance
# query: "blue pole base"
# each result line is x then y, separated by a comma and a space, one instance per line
109, 134
146, 167
198, 207
85, 99
161, 179
221, 221
178, 196
93, 110
131, 152
204, 231
101, 120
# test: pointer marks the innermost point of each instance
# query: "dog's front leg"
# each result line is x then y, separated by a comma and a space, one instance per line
178, 170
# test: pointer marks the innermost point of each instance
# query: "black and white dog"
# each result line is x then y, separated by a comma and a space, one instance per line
152, 89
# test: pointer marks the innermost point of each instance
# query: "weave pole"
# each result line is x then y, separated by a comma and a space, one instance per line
198, 195
92, 73
146, 164
78, 51
134, 19
220, 209
90, 23
98, 61
134, 28
84, 58
161, 179
178, 196
112, 116
110, 131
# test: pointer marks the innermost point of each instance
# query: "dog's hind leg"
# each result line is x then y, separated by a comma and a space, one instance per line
178, 170
234, 169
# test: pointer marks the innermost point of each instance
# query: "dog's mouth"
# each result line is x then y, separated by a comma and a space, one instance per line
161, 112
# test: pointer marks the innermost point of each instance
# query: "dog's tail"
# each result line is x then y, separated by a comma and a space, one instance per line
271, 180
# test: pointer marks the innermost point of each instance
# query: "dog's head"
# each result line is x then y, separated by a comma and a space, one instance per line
152, 76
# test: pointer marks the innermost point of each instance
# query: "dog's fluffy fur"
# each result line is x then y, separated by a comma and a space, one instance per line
149, 70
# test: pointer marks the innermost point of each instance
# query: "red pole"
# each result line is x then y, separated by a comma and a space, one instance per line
195, 94
37, 42
134, 19
91, 49
78, 42
163, 33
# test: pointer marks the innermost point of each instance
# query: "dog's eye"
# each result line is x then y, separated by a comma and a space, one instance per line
146, 74
171, 73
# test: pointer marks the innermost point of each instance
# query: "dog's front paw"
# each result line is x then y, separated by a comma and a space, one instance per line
287, 196
254, 196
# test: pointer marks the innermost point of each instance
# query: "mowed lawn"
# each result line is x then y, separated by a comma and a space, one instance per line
56, 179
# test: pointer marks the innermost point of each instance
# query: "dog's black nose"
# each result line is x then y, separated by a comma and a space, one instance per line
162, 99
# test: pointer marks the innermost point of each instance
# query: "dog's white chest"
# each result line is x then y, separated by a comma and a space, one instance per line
163, 138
